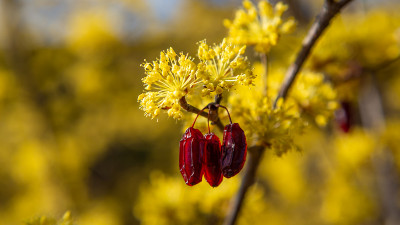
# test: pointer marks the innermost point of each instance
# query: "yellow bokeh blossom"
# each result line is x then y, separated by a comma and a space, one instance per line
261, 28
167, 80
315, 97
364, 45
43, 220
167, 200
262, 123
311, 99
222, 66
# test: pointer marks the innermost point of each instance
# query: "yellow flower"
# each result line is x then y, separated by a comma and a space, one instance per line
167, 80
316, 98
311, 98
261, 27
365, 43
263, 124
43, 220
223, 66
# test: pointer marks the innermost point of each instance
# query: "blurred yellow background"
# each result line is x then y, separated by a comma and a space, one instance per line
73, 137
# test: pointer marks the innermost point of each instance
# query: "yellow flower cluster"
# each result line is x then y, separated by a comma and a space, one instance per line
264, 125
261, 27
222, 66
168, 80
315, 97
172, 77
309, 99
177, 204
368, 42
174, 201
65, 220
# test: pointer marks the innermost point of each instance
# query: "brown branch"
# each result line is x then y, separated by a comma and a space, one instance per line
356, 71
213, 115
373, 120
384, 65
254, 159
329, 10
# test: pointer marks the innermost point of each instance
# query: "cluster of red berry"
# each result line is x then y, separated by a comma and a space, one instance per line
203, 155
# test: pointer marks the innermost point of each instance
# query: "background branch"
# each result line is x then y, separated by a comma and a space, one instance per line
254, 159
329, 10
373, 120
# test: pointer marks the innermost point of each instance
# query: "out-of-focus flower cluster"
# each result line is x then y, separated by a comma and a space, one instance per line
65, 220
311, 99
314, 96
338, 185
363, 46
173, 199
170, 78
261, 28
177, 204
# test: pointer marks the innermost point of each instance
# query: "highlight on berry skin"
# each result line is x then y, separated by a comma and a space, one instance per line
234, 150
212, 160
191, 150
206, 156
261, 26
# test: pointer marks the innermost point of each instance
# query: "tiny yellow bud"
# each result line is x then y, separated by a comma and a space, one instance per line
289, 26
218, 90
280, 8
157, 112
171, 53
67, 215
242, 50
162, 57
227, 23
333, 105
265, 9
141, 96
321, 120
247, 4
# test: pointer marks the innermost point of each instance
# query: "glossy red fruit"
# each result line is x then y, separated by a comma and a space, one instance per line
212, 160
234, 150
191, 148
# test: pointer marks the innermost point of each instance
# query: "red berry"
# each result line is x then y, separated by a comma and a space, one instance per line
343, 117
191, 148
234, 150
212, 160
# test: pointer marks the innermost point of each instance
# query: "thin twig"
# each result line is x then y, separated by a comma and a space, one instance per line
329, 10
213, 115
384, 65
254, 159
373, 120
356, 71
218, 98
